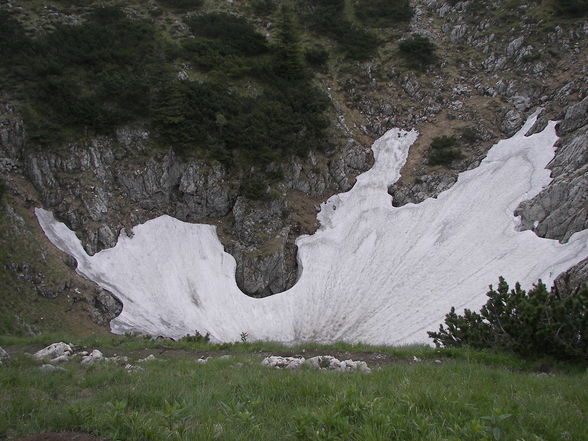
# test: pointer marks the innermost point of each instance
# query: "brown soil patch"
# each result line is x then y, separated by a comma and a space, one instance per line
303, 210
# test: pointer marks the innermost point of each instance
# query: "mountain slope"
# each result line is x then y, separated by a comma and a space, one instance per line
490, 70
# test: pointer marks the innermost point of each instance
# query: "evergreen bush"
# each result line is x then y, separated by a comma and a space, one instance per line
263, 8
418, 52
444, 157
441, 153
236, 33
443, 142
469, 135
288, 55
327, 17
85, 80
534, 323
571, 8
316, 56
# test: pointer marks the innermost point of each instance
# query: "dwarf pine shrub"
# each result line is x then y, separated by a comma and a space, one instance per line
418, 52
534, 323
442, 151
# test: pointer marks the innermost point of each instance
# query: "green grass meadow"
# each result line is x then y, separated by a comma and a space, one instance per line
468, 395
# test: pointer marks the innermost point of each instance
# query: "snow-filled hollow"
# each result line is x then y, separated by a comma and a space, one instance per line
372, 273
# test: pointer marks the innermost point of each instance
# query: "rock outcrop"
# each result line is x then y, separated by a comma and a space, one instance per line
53, 351
321, 362
104, 186
561, 209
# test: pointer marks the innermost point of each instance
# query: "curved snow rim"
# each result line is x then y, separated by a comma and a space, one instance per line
373, 273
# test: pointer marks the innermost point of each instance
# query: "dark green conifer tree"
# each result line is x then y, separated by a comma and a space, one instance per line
288, 51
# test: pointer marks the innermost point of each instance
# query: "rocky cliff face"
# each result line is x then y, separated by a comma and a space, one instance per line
103, 187
562, 208
491, 71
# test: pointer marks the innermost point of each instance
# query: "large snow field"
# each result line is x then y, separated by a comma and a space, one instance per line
372, 273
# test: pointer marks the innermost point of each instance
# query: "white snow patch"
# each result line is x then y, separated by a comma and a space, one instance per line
372, 273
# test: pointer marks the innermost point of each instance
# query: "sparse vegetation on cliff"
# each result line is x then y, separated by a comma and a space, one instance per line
89, 79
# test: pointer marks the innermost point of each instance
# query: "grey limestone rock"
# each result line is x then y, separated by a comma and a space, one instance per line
204, 192
310, 180
520, 102
321, 362
12, 134
511, 122
94, 357
150, 357
560, 210
425, 187
411, 86
53, 351
458, 32
47, 368
3, 355
576, 116
107, 306
353, 160
514, 46
61, 359
568, 282
105, 237
278, 362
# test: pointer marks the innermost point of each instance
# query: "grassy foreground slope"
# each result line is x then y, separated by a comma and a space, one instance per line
443, 395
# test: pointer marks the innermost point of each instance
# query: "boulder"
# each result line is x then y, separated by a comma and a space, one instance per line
61, 359
352, 365
3, 355
322, 362
53, 351
576, 116
46, 368
332, 363
132, 368
150, 357
94, 357
276, 361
